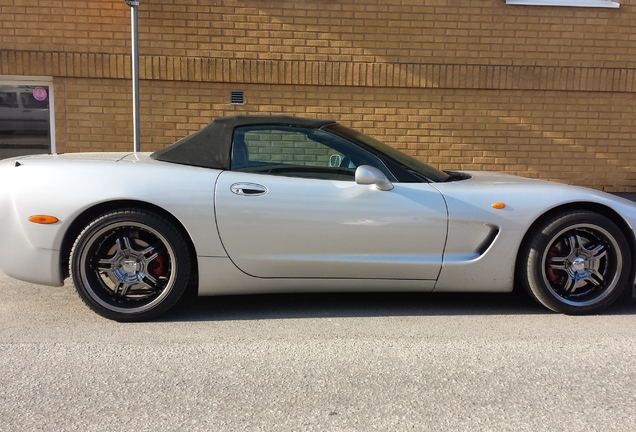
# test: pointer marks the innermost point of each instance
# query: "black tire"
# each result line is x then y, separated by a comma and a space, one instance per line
576, 263
130, 265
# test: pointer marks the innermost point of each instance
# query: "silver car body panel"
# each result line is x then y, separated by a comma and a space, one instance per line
65, 186
526, 200
279, 234
331, 229
219, 276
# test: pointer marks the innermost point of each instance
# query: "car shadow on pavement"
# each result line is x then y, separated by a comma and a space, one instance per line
345, 305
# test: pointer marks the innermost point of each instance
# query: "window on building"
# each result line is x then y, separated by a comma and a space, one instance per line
26, 117
579, 3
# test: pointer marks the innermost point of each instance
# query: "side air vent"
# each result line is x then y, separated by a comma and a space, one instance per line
488, 240
237, 97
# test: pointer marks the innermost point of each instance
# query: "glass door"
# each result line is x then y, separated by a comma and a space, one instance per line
25, 118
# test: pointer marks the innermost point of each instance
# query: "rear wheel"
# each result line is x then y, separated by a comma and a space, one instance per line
130, 265
576, 263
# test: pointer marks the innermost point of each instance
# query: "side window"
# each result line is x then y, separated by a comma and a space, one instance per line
582, 3
298, 152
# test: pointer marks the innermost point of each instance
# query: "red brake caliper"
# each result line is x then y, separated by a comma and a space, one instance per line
552, 276
156, 266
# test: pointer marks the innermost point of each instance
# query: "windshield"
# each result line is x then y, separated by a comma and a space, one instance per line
409, 162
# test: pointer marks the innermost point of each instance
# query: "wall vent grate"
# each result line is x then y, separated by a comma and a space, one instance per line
237, 97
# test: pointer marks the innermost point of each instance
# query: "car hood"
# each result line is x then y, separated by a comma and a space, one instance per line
497, 178
528, 193
495, 181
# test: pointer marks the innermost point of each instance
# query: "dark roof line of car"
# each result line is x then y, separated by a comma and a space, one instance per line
211, 146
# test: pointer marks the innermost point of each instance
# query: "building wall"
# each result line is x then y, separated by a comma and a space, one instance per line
546, 92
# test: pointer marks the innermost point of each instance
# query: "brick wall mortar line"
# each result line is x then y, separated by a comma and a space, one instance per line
287, 72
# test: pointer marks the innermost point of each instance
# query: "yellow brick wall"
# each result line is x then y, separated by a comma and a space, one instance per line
583, 138
472, 84
392, 31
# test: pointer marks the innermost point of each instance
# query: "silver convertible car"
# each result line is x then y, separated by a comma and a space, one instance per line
263, 204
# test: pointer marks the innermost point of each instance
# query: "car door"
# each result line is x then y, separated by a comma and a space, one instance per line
289, 208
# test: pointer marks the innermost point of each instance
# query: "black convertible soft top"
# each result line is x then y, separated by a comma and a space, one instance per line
211, 146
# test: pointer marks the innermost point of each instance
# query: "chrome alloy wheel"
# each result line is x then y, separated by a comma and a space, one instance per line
129, 267
582, 264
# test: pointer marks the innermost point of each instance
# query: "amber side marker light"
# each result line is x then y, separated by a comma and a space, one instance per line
498, 205
43, 219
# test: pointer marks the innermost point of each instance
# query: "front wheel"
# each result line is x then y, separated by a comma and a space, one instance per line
576, 263
130, 265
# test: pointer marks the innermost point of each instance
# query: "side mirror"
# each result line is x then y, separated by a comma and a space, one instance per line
368, 175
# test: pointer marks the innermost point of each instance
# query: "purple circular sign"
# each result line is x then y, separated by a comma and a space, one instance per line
39, 93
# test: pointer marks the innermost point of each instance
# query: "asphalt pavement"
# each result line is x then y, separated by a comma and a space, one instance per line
336, 362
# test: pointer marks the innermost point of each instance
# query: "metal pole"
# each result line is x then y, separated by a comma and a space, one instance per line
135, 73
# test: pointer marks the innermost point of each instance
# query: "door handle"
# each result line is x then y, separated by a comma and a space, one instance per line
248, 189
